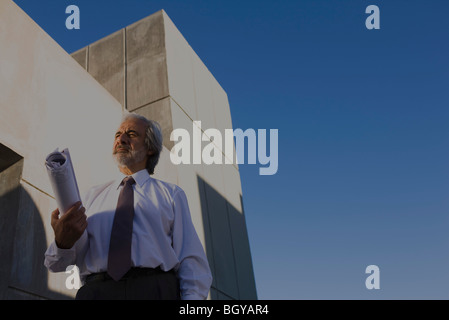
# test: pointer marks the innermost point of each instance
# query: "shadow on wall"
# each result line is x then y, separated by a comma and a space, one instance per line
227, 246
22, 236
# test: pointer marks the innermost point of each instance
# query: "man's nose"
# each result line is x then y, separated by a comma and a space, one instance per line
122, 139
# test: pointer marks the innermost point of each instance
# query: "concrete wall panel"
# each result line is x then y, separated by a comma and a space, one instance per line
221, 252
179, 68
107, 64
222, 111
80, 56
204, 94
9, 204
146, 62
242, 254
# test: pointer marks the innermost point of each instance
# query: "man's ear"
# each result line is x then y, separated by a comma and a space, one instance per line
150, 152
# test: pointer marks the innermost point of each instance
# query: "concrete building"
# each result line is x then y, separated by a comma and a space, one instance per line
49, 99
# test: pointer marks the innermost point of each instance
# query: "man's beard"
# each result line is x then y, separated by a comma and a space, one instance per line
129, 158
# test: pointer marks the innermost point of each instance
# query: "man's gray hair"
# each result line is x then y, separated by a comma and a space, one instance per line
153, 139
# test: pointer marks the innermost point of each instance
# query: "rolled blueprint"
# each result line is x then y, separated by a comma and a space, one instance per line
63, 180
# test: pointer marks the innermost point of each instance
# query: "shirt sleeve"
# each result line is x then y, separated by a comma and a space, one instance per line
193, 272
57, 259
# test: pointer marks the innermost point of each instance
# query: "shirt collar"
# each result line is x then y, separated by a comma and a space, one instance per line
141, 177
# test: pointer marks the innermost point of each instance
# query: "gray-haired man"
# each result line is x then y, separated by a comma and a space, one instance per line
156, 254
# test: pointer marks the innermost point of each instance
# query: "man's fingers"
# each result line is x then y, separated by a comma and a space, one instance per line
77, 217
54, 216
83, 225
80, 215
75, 207
72, 211
70, 226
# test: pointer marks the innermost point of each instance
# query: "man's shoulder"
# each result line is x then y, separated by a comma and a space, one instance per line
170, 188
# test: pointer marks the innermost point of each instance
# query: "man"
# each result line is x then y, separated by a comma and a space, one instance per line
133, 237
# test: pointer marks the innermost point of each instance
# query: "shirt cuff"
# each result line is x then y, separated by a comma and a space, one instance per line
57, 259
63, 252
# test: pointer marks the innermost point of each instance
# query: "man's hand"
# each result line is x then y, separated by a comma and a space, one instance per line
70, 227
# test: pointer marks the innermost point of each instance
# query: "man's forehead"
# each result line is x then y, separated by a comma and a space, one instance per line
132, 124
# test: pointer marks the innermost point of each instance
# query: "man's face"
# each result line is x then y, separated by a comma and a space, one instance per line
129, 149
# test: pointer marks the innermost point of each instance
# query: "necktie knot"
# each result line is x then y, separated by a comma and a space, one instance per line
128, 181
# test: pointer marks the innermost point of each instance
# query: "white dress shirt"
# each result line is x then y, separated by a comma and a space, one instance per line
163, 234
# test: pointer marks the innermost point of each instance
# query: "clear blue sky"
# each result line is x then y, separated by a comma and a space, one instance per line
363, 119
